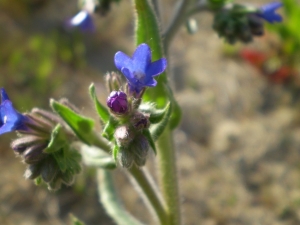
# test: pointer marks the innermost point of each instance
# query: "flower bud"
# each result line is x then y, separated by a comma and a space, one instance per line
21, 144
49, 170
117, 102
32, 171
125, 157
34, 153
140, 121
123, 136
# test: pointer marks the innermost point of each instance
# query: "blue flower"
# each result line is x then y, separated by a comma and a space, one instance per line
10, 119
83, 20
268, 12
140, 70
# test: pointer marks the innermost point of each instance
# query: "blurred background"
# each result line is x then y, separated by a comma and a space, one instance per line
238, 145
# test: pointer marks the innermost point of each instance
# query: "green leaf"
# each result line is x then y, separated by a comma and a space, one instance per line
109, 129
58, 140
68, 159
82, 126
93, 156
157, 129
147, 31
101, 109
148, 135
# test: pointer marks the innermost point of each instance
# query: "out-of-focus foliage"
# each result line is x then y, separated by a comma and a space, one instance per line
288, 32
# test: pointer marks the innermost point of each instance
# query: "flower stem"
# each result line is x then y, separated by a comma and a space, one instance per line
141, 177
168, 176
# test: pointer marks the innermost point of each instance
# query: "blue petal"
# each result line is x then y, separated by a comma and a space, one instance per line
83, 20
129, 76
151, 83
10, 118
123, 60
156, 67
142, 57
4, 96
268, 12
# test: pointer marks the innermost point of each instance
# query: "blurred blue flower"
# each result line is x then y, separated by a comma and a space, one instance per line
10, 119
140, 70
83, 20
268, 12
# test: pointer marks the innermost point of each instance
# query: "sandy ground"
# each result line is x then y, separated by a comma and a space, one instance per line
237, 145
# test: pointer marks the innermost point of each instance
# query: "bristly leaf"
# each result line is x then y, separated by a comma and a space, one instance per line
82, 126
156, 115
157, 129
101, 109
57, 141
148, 135
93, 156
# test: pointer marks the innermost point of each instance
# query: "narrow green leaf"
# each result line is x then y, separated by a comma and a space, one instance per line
82, 126
110, 200
148, 135
101, 109
93, 156
115, 152
109, 129
57, 141
157, 129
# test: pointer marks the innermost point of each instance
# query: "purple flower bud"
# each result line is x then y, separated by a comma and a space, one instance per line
117, 102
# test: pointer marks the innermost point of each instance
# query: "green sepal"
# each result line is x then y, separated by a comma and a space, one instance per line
148, 135
157, 129
156, 115
101, 109
38, 180
109, 129
93, 156
57, 141
68, 159
116, 150
82, 126
175, 116
75, 220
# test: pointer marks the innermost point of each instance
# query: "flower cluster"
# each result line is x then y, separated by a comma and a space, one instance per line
240, 23
131, 134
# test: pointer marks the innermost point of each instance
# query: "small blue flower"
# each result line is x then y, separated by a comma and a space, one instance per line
10, 119
83, 20
268, 12
139, 70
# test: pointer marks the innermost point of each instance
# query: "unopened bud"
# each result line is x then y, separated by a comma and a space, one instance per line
32, 171
140, 121
117, 102
21, 144
123, 136
49, 170
34, 153
125, 157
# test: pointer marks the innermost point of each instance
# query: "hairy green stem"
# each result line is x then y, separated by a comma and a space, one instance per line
168, 176
155, 200
145, 184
